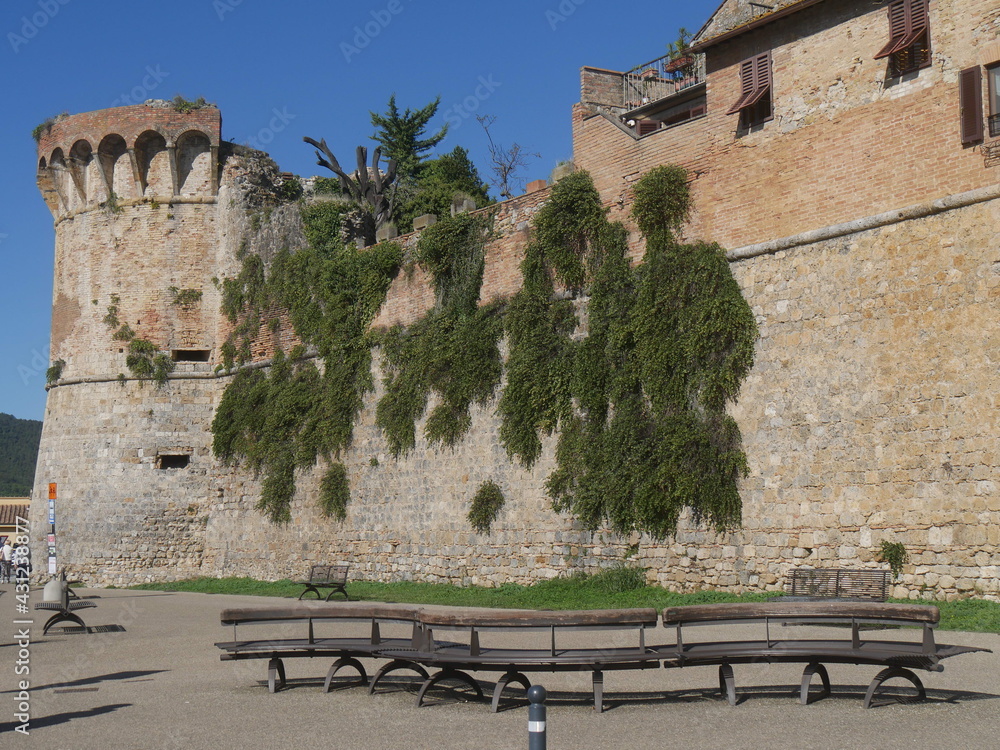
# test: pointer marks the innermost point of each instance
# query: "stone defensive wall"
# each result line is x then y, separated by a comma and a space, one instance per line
870, 265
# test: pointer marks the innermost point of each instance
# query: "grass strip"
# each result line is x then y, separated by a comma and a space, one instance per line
615, 588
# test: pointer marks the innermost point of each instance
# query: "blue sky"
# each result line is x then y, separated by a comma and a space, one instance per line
279, 71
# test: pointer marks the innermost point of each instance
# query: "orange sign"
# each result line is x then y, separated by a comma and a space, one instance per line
52, 490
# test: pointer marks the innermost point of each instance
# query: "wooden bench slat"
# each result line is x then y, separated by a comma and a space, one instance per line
321, 610
707, 613
500, 618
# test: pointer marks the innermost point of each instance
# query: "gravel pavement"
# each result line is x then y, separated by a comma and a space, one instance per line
159, 684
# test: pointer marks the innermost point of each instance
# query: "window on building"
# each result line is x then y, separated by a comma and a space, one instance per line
754, 104
993, 77
909, 45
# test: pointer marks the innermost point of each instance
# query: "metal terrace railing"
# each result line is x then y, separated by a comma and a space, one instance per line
660, 78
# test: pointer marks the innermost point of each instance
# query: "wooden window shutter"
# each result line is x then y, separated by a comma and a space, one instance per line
755, 81
970, 98
908, 19
747, 80
645, 127
762, 76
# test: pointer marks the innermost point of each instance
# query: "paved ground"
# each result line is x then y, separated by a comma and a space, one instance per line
159, 685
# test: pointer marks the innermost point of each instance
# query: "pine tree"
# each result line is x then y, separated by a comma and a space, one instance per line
401, 135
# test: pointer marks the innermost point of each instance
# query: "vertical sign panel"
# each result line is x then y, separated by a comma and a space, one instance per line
52, 528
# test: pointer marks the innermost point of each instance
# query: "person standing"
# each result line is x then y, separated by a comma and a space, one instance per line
5, 554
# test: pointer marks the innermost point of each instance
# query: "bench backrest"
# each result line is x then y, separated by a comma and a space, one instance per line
833, 582
321, 611
524, 618
335, 573
914, 614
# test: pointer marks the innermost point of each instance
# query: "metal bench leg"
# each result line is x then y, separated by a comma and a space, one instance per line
312, 589
63, 617
727, 683
807, 675
393, 666
598, 691
448, 674
345, 661
887, 674
339, 590
275, 674
502, 683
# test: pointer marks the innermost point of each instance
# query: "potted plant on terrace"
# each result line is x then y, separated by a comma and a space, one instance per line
680, 57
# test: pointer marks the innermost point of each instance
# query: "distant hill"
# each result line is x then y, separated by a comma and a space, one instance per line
18, 452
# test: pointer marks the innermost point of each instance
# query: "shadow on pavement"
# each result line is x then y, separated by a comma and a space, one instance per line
38, 722
130, 675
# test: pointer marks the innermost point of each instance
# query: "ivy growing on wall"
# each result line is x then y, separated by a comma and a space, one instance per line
453, 351
298, 411
640, 402
485, 506
144, 359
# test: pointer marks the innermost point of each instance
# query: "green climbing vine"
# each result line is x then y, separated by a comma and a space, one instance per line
895, 554
55, 371
144, 359
184, 297
298, 411
452, 352
485, 506
640, 401
637, 395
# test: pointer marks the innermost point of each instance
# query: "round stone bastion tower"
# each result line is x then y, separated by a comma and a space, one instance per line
125, 450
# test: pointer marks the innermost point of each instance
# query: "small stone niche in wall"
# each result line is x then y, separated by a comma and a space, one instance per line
190, 355
172, 460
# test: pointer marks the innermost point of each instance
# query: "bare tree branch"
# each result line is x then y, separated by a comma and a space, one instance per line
506, 161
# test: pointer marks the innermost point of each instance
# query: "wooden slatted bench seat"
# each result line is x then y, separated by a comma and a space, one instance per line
333, 577
840, 583
293, 634
454, 661
898, 657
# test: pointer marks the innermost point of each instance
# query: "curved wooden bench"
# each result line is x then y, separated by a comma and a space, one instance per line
454, 661
899, 657
346, 650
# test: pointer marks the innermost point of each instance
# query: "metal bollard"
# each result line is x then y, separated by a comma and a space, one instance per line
536, 718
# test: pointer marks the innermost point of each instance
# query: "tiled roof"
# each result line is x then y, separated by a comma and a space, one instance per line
10, 511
